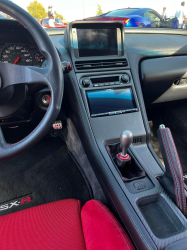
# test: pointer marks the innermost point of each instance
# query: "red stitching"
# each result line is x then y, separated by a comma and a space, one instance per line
14, 18
180, 170
169, 166
142, 174
178, 185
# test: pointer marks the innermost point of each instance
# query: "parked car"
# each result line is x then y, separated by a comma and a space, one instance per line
137, 17
58, 23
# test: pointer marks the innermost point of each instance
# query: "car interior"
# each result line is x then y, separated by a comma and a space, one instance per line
93, 135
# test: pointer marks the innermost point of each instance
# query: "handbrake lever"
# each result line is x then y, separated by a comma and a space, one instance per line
172, 179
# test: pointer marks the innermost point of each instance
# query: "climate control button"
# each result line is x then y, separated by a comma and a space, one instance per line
86, 82
125, 78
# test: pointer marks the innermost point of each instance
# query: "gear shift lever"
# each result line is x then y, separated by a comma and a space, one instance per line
123, 158
128, 167
126, 139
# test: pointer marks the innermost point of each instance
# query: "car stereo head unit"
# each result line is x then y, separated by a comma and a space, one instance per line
111, 101
97, 42
97, 39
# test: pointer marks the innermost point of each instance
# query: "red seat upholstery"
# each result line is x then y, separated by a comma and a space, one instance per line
58, 225
101, 229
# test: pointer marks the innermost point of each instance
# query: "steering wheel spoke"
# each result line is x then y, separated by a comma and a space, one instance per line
51, 75
16, 74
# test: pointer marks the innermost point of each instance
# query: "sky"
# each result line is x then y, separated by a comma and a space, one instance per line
78, 9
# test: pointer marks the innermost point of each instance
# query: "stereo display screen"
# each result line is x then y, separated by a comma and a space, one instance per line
97, 42
109, 100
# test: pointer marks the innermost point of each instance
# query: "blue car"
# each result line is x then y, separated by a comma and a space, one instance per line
137, 17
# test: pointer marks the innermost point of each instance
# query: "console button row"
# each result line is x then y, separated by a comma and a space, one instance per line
139, 185
125, 78
86, 82
115, 112
107, 84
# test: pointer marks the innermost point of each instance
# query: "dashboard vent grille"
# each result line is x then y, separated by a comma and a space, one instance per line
137, 140
97, 64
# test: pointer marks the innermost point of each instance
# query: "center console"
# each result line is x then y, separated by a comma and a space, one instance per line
117, 98
104, 83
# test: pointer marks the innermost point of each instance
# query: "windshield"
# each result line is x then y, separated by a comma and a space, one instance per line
169, 14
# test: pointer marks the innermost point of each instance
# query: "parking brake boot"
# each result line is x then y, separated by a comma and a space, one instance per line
172, 180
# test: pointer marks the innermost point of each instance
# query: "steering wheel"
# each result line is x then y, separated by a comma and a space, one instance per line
51, 75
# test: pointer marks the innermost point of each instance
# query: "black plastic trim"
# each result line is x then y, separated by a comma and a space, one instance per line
57, 31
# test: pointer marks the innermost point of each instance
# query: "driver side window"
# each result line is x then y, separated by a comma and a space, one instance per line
146, 15
153, 17
45, 22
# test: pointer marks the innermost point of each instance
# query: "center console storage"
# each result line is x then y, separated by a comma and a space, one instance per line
161, 219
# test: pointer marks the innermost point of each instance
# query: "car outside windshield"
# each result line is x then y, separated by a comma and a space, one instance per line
46, 21
119, 13
170, 14
58, 21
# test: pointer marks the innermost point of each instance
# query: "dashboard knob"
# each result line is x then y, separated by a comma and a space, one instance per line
86, 82
125, 78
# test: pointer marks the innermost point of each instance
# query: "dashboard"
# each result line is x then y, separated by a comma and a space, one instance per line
89, 54
104, 91
93, 48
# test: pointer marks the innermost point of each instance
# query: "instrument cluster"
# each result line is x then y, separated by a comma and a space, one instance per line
21, 55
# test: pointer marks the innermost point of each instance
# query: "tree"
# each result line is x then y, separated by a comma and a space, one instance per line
99, 10
37, 10
59, 16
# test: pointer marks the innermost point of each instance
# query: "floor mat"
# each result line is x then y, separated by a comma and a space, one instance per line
45, 173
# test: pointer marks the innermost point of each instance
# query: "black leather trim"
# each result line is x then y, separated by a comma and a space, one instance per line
57, 31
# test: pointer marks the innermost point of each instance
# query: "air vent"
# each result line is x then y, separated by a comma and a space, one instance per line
98, 64
137, 140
